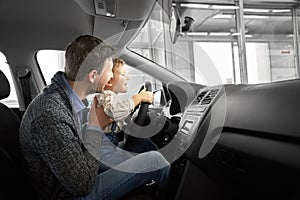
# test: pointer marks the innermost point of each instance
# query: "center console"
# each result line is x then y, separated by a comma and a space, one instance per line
193, 116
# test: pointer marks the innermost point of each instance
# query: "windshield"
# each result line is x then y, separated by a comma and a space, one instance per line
222, 44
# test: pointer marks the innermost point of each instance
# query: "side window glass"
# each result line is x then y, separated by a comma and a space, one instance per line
50, 61
12, 100
136, 80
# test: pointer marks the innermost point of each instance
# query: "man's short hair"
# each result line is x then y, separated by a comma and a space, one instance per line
84, 54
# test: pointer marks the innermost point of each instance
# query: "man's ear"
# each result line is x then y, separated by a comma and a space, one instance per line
92, 75
109, 84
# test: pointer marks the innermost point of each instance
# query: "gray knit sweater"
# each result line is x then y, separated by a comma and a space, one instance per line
60, 164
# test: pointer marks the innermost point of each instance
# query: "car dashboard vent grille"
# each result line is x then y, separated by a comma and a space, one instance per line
208, 96
201, 96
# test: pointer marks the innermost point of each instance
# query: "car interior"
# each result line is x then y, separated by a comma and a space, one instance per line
225, 140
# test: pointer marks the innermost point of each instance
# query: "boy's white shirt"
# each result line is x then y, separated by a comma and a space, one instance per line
115, 108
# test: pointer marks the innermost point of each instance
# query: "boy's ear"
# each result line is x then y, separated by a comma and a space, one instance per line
92, 76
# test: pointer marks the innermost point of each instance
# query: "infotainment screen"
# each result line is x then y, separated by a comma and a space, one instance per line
188, 125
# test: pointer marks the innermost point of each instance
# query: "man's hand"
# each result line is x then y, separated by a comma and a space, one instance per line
97, 116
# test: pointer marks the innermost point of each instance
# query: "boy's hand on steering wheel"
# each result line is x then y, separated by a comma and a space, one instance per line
146, 96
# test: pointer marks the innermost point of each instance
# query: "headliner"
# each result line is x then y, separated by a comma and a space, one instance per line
37, 24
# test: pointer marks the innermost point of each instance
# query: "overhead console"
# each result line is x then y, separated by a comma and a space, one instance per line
117, 21
118, 9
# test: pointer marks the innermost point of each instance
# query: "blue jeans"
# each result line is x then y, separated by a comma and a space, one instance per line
122, 171
139, 145
133, 144
112, 155
113, 137
114, 183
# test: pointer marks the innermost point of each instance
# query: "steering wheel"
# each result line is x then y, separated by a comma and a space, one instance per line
142, 118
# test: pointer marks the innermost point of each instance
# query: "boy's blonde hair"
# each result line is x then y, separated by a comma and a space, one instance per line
118, 62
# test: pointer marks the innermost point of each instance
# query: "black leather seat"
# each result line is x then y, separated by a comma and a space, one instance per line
13, 181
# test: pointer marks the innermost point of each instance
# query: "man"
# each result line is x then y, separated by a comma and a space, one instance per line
62, 155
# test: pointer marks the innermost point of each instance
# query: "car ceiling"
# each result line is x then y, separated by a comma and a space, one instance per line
34, 23
52, 24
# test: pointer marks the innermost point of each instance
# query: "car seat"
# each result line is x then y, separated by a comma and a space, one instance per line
13, 180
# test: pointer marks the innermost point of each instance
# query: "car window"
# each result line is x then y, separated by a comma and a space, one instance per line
12, 100
50, 61
137, 79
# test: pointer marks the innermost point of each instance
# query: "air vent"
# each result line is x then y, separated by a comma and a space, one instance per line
206, 101
201, 96
214, 92
209, 97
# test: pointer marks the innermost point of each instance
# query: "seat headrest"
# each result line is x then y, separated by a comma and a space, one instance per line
4, 86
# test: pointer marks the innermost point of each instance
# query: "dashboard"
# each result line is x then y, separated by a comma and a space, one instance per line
249, 132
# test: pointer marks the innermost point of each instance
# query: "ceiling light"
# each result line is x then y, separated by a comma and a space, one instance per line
219, 33
281, 10
110, 15
194, 5
196, 33
223, 7
220, 16
255, 17
207, 6
235, 34
256, 10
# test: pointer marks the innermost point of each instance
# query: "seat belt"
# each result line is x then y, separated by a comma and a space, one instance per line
24, 79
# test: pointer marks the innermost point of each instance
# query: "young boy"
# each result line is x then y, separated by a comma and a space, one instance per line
113, 106
119, 110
